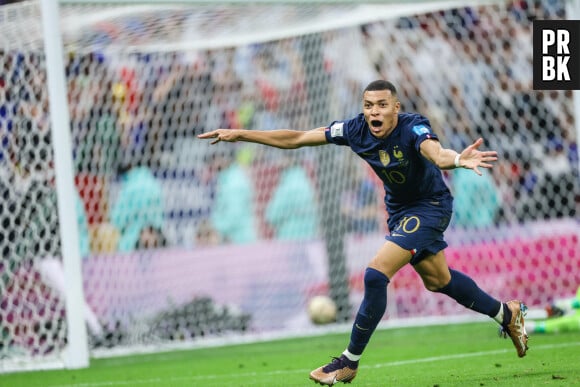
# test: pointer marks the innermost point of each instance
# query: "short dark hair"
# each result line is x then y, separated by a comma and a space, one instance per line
381, 84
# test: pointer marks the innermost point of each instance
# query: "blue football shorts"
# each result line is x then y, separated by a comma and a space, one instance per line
419, 227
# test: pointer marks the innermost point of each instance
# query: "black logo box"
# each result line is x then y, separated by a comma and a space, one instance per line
573, 64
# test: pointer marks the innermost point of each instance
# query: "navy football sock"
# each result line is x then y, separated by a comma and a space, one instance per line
371, 310
466, 292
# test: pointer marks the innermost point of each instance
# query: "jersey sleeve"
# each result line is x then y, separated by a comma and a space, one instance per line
337, 133
421, 131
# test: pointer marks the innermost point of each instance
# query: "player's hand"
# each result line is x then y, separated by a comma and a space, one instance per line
229, 135
472, 158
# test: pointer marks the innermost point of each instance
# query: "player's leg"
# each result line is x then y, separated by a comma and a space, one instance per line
438, 277
52, 273
567, 323
387, 261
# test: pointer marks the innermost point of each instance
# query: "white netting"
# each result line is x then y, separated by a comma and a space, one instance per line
187, 241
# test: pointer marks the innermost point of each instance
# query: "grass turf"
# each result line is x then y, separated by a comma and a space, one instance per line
454, 355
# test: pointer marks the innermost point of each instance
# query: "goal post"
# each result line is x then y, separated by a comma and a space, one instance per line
124, 233
77, 350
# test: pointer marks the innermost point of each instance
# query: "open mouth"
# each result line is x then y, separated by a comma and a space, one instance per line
376, 123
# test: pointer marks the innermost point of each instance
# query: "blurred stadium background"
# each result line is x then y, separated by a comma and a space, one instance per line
186, 244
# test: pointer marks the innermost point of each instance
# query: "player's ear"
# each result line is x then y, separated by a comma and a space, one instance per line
397, 106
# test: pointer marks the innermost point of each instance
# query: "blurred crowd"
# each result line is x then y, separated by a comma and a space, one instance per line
144, 181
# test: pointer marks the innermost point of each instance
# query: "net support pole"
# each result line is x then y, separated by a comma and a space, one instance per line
76, 354
573, 13
331, 188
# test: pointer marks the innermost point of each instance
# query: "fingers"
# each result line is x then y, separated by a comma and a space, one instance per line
227, 135
484, 162
477, 143
489, 154
478, 158
212, 134
483, 156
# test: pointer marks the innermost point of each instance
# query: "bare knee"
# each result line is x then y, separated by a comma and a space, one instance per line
434, 284
435, 280
434, 272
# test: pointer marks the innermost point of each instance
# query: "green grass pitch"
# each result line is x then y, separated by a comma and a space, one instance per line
454, 355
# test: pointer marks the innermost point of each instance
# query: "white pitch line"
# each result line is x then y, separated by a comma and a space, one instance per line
275, 373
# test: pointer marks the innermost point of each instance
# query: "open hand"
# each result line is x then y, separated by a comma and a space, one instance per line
229, 135
472, 158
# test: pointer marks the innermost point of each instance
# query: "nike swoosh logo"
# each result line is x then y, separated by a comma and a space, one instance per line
361, 328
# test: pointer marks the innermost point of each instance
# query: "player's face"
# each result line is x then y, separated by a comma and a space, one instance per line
381, 110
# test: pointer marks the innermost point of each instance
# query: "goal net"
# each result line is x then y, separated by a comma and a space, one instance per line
187, 244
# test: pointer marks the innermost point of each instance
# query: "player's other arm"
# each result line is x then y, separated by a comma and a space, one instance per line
282, 138
470, 157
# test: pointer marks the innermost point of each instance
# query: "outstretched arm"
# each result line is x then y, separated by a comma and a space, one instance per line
282, 138
470, 157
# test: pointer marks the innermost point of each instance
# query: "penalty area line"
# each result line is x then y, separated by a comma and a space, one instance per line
210, 377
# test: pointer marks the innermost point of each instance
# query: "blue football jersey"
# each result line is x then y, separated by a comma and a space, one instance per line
407, 176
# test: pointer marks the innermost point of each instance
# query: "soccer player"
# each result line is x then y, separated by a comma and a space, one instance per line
405, 153
563, 315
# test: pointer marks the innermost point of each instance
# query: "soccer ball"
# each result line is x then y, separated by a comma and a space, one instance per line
322, 310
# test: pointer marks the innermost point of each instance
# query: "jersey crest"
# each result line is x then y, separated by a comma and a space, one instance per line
384, 157
397, 152
400, 156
